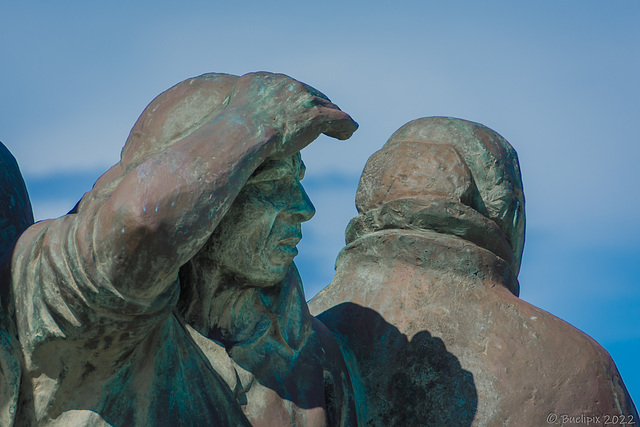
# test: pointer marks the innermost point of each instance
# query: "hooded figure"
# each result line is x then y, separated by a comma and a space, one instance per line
425, 297
139, 308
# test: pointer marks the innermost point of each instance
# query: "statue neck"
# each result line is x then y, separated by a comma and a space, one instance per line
433, 213
253, 322
222, 308
454, 261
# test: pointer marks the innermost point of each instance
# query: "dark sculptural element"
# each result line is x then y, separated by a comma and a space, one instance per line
15, 218
168, 296
425, 297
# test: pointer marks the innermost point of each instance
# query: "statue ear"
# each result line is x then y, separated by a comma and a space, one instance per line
15, 208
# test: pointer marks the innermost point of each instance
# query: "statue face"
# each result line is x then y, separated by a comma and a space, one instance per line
256, 240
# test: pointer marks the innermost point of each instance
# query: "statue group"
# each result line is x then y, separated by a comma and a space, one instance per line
168, 295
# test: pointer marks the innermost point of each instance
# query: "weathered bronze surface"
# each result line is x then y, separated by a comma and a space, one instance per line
169, 296
425, 297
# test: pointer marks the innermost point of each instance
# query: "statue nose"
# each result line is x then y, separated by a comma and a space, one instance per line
301, 208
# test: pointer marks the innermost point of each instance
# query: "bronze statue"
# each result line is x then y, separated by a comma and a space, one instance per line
429, 274
168, 296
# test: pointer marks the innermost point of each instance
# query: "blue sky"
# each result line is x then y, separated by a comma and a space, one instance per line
558, 79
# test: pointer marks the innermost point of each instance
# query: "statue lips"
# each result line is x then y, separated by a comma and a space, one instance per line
287, 246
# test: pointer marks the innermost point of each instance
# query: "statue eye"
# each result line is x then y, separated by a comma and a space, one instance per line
265, 187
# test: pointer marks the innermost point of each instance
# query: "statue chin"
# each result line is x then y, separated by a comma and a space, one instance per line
261, 279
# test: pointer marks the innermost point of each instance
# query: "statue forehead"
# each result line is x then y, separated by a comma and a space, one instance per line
274, 169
